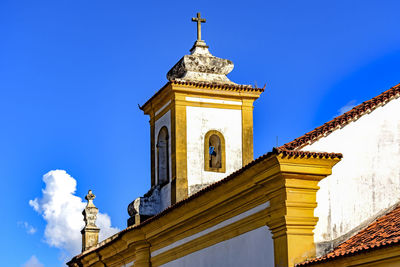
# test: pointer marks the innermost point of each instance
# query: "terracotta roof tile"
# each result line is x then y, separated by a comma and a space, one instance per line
344, 119
219, 86
383, 232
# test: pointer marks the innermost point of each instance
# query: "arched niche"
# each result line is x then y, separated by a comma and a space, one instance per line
163, 156
214, 151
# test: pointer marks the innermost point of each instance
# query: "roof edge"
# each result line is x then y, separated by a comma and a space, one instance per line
344, 119
362, 248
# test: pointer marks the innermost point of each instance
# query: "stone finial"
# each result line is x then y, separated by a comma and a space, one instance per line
200, 65
90, 233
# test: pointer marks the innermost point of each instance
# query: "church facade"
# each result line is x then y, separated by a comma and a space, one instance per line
211, 204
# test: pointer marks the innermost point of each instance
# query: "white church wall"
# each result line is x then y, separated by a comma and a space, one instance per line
200, 120
165, 192
254, 248
165, 196
367, 180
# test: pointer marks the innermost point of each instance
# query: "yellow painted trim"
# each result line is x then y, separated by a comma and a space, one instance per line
176, 94
179, 183
211, 105
193, 90
245, 225
142, 254
163, 112
156, 103
205, 99
205, 219
290, 184
247, 132
207, 155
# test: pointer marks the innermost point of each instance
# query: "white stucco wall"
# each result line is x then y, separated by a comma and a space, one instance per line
367, 180
165, 192
165, 196
254, 248
200, 120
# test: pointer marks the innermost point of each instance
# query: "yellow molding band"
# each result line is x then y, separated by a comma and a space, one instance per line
247, 132
290, 184
245, 225
179, 150
210, 105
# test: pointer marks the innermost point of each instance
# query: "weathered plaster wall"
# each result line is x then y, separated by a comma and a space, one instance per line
254, 248
200, 120
165, 196
367, 180
165, 192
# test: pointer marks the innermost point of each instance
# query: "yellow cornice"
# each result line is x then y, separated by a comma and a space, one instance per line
289, 182
245, 225
168, 91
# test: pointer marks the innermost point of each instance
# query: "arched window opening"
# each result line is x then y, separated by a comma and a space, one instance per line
214, 151
163, 156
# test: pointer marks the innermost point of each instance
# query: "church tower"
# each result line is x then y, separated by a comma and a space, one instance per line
201, 129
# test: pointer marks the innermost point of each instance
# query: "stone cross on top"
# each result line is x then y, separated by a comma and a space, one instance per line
199, 20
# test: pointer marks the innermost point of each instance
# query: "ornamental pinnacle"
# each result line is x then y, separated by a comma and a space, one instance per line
90, 233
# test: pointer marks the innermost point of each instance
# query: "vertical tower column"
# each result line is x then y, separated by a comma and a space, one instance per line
247, 131
179, 186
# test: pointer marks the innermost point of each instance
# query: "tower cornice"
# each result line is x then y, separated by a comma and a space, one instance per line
201, 89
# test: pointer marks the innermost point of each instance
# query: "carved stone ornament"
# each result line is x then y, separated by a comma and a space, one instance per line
90, 211
90, 233
201, 66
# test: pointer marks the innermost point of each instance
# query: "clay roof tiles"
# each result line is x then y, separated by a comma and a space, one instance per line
344, 119
219, 86
383, 232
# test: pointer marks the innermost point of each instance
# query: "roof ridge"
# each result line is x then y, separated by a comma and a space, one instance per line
344, 119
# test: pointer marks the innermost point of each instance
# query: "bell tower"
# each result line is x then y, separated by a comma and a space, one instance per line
201, 128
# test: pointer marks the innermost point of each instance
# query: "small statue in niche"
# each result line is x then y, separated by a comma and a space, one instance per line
215, 151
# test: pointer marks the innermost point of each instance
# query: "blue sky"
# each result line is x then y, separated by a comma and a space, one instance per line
73, 72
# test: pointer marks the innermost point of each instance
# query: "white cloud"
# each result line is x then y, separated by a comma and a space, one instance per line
351, 104
33, 262
62, 211
29, 228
